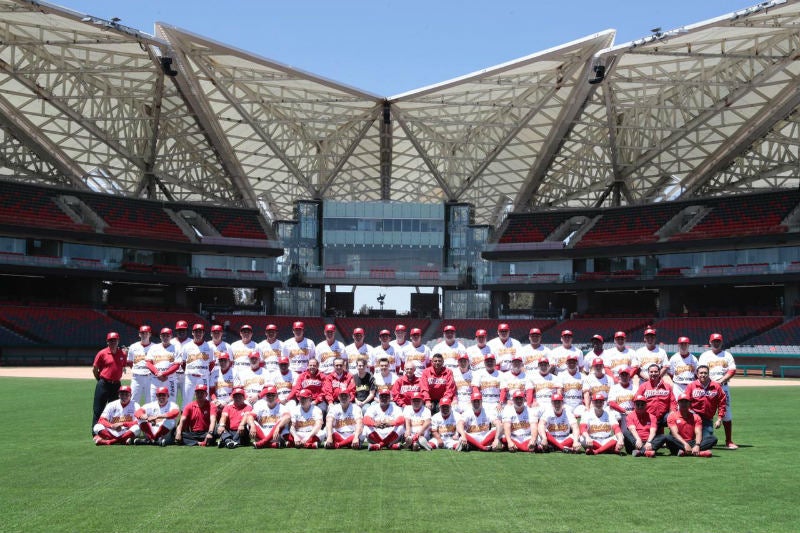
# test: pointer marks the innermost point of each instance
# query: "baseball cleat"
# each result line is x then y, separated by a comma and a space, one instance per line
424, 443
731, 446
650, 453
705, 453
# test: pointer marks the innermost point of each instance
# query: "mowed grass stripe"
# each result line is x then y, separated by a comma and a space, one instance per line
57, 480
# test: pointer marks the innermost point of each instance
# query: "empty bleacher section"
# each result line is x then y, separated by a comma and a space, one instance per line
156, 319
372, 326
232, 223
631, 225
10, 338
29, 206
314, 326
734, 330
64, 327
583, 329
466, 327
532, 227
134, 218
787, 333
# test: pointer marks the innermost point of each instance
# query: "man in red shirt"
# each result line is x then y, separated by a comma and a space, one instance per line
658, 395
707, 397
406, 385
640, 428
686, 432
437, 382
312, 380
338, 380
197, 423
232, 427
107, 369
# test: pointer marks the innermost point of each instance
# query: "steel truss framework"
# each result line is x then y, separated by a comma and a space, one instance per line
706, 109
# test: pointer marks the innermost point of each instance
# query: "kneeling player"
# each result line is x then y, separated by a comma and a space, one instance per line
306, 422
475, 427
269, 421
157, 419
559, 427
344, 424
384, 424
117, 424
600, 429
444, 433
232, 427
519, 431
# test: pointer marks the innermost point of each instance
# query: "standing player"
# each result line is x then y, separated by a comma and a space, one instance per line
117, 423
344, 423
306, 423
384, 424
157, 419
269, 421
217, 344
329, 350
596, 351
198, 357
486, 382
558, 355
385, 350
403, 347
682, 367
417, 352
284, 380
359, 349
504, 347
253, 378
241, 350
707, 397
271, 348
232, 427
180, 340
450, 348
478, 352
222, 382
462, 376
541, 386
163, 364
531, 353
600, 429
140, 373
558, 428
107, 368
651, 353
418, 423
444, 433
721, 368
520, 427
620, 356
571, 385
299, 349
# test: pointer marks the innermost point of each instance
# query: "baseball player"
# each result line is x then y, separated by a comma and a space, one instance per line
513, 380
540, 386
651, 353
620, 397
271, 348
198, 420
359, 349
117, 423
329, 349
600, 430
306, 423
284, 380
241, 349
450, 348
364, 383
487, 383
641, 432
385, 350
384, 424
269, 421
232, 427
504, 347
252, 379
140, 373
596, 382
217, 344
180, 340
406, 385
444, 433
199, 361
682, 367
344, 424
475, 427
531, 353
558, 355
417, 352
108, 365
163, 364
299, 349
384, 376
571, 386
157, 419
462, 376
222, 382
558, 427
620, 356
402, 347
418, 423
721, 368
520, 426
596, 351
338, 380
477, 352
686, 432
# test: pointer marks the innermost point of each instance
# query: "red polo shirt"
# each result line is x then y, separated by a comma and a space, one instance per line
111, 364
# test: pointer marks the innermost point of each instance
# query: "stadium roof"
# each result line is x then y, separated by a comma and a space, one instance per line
706, 109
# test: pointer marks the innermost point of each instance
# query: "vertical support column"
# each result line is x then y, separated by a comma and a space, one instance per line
386, 152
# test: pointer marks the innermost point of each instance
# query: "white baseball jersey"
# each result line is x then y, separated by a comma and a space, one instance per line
326, 353
270, 354
343, 421
531, 356
299, 353
154, 409
303, 422
378, 415
512, 382
198, 358
589, 356
489, 385
223, 383
559, 426
354, 353
718, 364
543, 387
571, 386
463, 383
617, 359
137, 355
446, 427
385, 381
520, 422
682, 369
161, 356
268, 417
504, 351
417, 418
596, 385
115, 412
558, 357
645, 357
450, 353
282, 382
419, 354
623, 396
402, 350
599, 427
252, 381
477, 355
241, 354
380, 352
477, 424
221, 348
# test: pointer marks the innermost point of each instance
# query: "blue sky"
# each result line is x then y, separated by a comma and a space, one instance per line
388, 47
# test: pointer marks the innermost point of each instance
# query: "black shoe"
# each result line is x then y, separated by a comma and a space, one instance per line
162, 442
141, 442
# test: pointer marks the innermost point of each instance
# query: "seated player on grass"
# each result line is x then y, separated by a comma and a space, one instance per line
117, 423
306, 423
475, 427
558, 428
344, 423
384, 424
600, 429
444, 433
520, 425
157, 419
686, 432
232, 427
269, 420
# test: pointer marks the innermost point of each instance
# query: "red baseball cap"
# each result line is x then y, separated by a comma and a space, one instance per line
384, 332
166, 331
627, 370
715, 337
237, 390
254, 355
400, 327
650, 331
598, 361
480, 333
144, 329
557, 397
463, 355
598, 338
125, 388
572, 357
446, 401
543, 361
384, 391
489, 356
304, 393
416, 396
298, 325
162, 390
598, 396
416, 331
476, 396
215, 328
358, 331
535, 331
246, 326
283, 360
640, 398
198, 327
684, 396
269, 389
516, 357
181, 324
112, 335
203, 388
518, 393
619, 334
330, 327
271, 327
449, 327
566, 333
682, 340
503, 327
224, 355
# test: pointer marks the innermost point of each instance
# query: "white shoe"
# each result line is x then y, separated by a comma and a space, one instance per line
458, 446
424, 443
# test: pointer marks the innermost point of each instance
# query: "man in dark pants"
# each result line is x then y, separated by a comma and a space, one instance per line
107, 369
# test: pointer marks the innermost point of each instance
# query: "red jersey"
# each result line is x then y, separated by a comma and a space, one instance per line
313, 383
707, 400
198, 418
403, 388
686, 426
236, 414
435, 386
111, 364
642, 423
334, 384
659, 398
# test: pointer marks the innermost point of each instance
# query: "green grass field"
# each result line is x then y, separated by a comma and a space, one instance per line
55, 479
